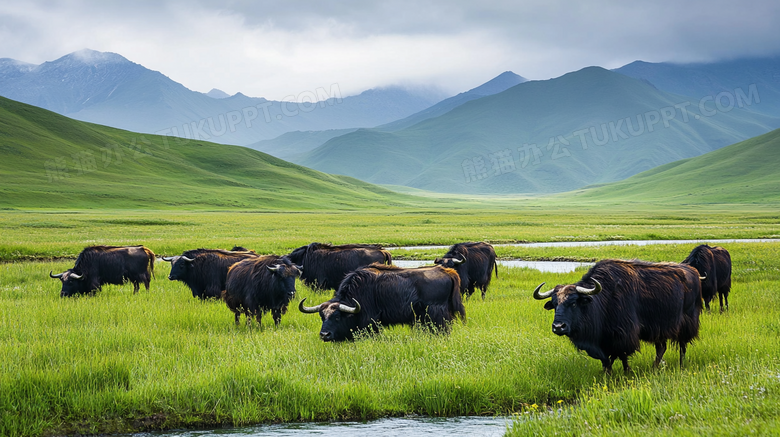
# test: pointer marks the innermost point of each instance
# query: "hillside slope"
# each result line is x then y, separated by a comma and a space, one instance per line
746, 172
50, 161
529, 138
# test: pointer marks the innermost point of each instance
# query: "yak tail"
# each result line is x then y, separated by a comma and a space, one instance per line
150, 255
388, 257
495, 266
456, 301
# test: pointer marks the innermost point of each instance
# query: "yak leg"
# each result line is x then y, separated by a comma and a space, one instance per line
723, 296
683, 348
277, 315
238, 317
136, 287
660, 350
484, 289
707, 305
624, 360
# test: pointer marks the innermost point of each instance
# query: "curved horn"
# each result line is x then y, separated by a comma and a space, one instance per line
298, 267
75, 276
189, 260
542, 296
350, 310
275, 267
56, 276
459, 261
167, 258
702, 278
590, 291
308, 310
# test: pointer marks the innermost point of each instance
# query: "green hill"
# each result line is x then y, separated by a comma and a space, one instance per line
746, 172
452, 153
50, 161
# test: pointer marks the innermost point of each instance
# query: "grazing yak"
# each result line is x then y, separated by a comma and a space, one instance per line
205, 270
325, 266
474, 263
618, 303
388, 295
713, 263
98, 265
260, 284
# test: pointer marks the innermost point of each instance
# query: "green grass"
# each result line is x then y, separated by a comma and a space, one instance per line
119, 362
41, 235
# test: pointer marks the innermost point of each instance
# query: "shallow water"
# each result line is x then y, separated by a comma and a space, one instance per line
542, 266
603, 243
417, 426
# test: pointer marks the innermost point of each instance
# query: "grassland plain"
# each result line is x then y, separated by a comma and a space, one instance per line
119, 362
42, 235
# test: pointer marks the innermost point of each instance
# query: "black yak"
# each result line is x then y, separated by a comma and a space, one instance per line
713, 263
98, 265
260, 284
618, 303
325, 266
388, 295
474, 263
204, 271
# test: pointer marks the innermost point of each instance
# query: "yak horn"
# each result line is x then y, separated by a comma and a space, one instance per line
348, 309
702, 278
56, 276
167, 258
590, 291
308, 310
189, 260
459, 261
275, 267
542, 296
75, 276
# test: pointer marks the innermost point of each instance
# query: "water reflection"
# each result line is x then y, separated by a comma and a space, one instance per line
542, 266
604, 243
417, 426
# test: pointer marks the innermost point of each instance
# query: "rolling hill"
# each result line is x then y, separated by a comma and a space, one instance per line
52, 162
745, 172
586, 127
107, 89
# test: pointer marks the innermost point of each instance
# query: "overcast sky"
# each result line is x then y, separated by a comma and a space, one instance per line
276, 49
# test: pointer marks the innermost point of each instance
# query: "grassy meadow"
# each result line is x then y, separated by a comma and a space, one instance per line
118, 362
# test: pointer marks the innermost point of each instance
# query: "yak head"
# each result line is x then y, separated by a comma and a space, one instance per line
73, 283
284, 274
339, 320
570, 303
180, 267
451, 262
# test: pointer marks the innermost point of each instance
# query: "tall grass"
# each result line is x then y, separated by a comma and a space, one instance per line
118, 362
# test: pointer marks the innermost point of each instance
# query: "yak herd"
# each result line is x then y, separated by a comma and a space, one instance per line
613, 307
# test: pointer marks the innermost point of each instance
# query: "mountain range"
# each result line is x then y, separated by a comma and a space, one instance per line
107, 89
586, 127
293, 145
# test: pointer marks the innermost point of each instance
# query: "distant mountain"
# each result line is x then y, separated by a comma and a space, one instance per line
701, 80
293, 145
496, 85
217, 94
106, 88
54, 162
586, 127
745, 172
